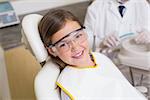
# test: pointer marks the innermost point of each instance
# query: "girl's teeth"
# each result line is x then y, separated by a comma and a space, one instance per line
79, 54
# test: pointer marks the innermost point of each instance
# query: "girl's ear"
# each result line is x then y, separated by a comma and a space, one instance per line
52, 51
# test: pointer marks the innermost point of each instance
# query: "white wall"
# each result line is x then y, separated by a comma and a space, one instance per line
29, 6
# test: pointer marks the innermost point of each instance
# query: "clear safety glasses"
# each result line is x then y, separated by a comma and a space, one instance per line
64, 44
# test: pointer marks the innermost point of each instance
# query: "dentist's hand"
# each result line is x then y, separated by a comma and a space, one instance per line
111, 41
143, 37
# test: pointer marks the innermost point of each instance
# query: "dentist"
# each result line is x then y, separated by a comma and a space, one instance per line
109, 20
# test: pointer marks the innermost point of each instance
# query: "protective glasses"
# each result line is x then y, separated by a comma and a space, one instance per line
64, 44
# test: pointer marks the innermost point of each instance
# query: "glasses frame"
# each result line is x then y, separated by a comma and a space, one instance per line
52, 45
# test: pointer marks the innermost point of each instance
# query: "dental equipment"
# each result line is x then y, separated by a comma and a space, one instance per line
134, 55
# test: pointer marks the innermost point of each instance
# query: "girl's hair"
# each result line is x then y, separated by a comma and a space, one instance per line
51, 23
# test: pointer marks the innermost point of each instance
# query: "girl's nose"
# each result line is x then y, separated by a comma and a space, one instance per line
74, 45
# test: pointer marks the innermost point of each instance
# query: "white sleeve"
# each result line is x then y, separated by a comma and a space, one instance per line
143, 17
146, 15
64, 96
90, 21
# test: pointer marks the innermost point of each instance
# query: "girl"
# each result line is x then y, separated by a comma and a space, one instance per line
86, 75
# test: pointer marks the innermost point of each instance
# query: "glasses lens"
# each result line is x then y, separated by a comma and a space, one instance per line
78, 36
62, 46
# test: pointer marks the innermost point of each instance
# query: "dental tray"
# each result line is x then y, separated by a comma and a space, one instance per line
134, 55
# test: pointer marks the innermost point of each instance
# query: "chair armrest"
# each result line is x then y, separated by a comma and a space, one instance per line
45, 82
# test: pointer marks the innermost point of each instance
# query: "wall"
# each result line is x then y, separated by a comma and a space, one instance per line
29, 6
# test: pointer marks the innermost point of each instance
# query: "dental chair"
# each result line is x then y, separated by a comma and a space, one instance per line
44, 83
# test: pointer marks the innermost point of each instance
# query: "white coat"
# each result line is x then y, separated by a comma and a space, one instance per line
103, 18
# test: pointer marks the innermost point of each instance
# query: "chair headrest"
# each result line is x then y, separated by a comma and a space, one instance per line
30, 27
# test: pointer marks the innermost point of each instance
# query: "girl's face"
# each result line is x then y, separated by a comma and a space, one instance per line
71, 45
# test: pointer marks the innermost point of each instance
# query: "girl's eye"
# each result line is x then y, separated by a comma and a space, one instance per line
62, 45
79, 35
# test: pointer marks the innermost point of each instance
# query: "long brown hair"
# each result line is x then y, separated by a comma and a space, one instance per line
51, 23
